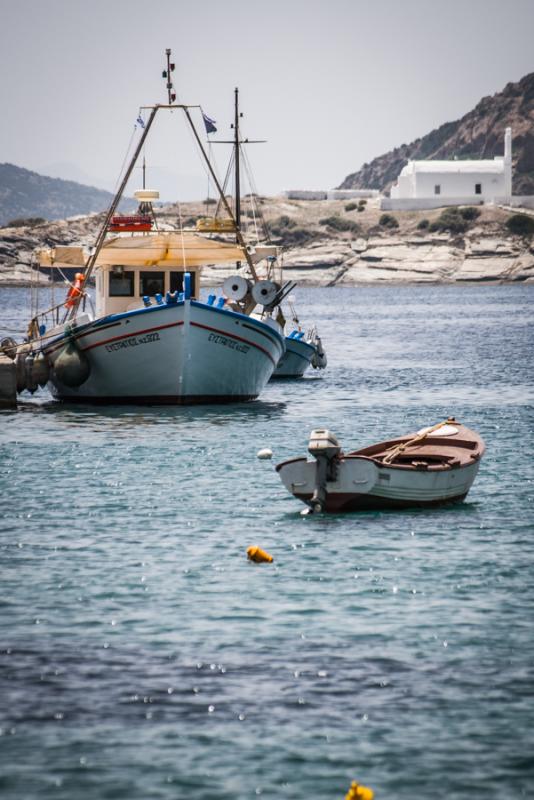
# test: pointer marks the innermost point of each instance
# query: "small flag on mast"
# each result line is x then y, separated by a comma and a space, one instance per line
140, 122
209, 124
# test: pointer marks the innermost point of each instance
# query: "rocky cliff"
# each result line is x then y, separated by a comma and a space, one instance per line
330, 243
26, 194
478, 134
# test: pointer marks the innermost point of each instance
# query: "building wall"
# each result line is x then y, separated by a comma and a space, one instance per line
304, 194
422, 203
347, 194
460, 184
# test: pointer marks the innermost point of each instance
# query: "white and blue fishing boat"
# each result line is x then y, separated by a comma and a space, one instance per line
150, 339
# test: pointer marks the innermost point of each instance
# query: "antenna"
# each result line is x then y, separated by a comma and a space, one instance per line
167, 74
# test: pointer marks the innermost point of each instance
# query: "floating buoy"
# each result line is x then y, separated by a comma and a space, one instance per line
258, 555
357, 792
72, 367
41, 370
20, 366
265, 452
31, 382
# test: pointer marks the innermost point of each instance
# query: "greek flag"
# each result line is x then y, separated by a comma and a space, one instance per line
139, 121
209, 124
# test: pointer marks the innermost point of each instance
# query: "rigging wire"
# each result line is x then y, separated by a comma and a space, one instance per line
252, 183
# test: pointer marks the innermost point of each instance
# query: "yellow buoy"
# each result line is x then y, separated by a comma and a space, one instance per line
357, 792
258, 555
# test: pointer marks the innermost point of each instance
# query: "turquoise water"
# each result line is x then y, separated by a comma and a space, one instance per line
142, 656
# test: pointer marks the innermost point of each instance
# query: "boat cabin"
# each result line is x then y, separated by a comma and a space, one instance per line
122, 287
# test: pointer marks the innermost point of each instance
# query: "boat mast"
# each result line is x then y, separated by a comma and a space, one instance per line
237, 144
113, 207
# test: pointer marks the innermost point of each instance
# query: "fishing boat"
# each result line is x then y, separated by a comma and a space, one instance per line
436, 465
150, 339
302, 348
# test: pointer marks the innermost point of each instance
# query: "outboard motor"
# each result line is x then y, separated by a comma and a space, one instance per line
325, 448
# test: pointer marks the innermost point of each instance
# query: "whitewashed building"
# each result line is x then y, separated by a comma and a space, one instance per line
330, 194
430, 184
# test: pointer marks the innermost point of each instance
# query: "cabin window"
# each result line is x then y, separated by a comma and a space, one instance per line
151, 283
177, 282
437, 188
121, 283
478, 188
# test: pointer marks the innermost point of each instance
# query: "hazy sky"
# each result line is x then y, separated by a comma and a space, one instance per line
329, 83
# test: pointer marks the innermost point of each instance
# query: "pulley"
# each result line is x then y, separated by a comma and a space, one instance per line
236, 287
264, 292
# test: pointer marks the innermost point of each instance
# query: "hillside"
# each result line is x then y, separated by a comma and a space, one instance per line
328, 243
478, 134
26, 194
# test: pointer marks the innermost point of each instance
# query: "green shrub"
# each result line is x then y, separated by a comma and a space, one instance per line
520, 224
282, 223
362, 202
25, 222
288, 232
469, 213
450, 220
340, 224
454, 219
360, 208
388, 221
210, 201
351, 206
423, 224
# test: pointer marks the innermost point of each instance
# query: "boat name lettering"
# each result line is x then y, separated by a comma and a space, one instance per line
133, 341
231, 343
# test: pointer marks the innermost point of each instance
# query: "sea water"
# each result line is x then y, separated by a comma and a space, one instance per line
142, 656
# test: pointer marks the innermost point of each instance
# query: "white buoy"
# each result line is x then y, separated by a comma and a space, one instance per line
265, 452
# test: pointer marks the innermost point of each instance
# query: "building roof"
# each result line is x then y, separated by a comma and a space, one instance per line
480, 165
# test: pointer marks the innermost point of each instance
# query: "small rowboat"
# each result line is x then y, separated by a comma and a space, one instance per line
436, 465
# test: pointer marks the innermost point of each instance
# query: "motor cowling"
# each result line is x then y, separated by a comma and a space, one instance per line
323, 443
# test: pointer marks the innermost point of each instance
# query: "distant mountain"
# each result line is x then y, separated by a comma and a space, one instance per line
27, 194
479, 134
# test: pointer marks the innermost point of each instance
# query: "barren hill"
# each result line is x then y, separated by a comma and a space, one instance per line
24, 194
478, 134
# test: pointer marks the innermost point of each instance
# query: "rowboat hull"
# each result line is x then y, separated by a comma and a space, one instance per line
362, 485
177, 353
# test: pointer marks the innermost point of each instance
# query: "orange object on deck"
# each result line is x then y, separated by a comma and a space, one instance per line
75, 290
131, 223
258, 555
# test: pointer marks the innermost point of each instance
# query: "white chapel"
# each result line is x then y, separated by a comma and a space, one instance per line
427, 184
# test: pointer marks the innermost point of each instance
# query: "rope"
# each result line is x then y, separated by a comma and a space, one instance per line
181, 234
396, 450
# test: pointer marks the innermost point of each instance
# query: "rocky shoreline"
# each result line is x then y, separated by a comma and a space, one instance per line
364, 254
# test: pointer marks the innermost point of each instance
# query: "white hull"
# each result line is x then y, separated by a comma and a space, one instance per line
361, 484
186, 352
296, 359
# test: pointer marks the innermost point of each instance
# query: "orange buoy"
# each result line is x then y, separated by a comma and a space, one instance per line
258, 555
358, 792
75, 290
